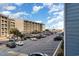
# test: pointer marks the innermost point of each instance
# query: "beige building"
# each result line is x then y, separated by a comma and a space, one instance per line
23, 26
5, 25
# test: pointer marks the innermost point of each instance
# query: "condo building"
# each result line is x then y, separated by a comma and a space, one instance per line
23, 26
72, 29
5, 25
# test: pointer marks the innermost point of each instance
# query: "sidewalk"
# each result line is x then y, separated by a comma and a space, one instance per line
5, 51
13, 53
3, 40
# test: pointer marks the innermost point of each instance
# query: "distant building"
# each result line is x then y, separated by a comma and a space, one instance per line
57, 30
23, 26
72, 29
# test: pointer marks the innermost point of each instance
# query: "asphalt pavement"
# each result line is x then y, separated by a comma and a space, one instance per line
44, 45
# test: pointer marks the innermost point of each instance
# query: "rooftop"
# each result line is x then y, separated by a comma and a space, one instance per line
19, 19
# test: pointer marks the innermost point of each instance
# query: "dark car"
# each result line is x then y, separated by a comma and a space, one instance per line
11, 44
62, 33
39, 36
42, 35
24, 38
38, 54
51, 33
58, 38
47, 33
35, 36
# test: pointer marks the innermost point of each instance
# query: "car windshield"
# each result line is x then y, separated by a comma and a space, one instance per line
36, 55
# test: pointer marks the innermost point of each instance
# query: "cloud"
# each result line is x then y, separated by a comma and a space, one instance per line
53, 7
61, 13
48, 17
39, 21
48, 5
59, 25
51, 20
57, 21
9, 7
19, 4
6, 12
36, 8
20, 15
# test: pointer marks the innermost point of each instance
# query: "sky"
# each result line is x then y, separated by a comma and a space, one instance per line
50, 14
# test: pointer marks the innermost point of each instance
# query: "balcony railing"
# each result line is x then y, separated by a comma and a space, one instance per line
58, 48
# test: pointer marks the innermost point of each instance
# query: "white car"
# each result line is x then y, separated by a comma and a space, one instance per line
34, 39
20, 43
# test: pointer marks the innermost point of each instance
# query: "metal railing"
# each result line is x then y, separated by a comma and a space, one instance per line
57, 49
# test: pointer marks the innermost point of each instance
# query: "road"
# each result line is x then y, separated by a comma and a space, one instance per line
45, 45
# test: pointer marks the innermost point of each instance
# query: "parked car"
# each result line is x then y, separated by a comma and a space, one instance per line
28, 35
38, 37
47, 33
19, 43
62, 33
43, 36
24, 38
58, 38
51, 33
37, 54
34, 39
11, 44
35, 36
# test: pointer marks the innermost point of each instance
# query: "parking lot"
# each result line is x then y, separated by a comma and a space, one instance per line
44, 45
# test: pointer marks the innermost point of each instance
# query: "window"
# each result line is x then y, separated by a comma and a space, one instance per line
2, 33
2, 25
5, 25
2, 21
2, 29
5, 29
5, 21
